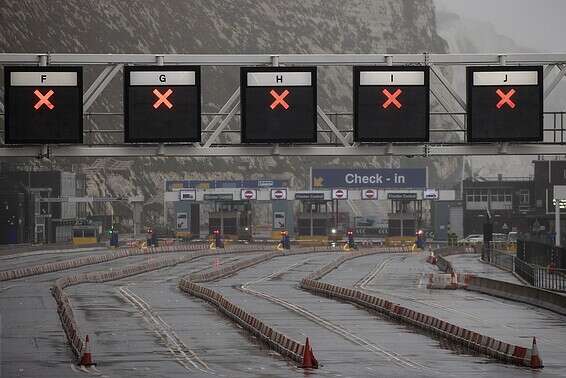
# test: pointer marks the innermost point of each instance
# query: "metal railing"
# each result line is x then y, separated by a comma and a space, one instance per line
542, 277
541, 252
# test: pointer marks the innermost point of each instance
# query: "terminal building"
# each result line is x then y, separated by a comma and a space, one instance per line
27, 216
523, 205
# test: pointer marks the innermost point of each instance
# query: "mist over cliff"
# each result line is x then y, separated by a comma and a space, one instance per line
469, 36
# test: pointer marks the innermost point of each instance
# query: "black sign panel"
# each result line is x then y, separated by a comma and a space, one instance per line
391, 104
278, 104
43, 105
505, 104
162, 104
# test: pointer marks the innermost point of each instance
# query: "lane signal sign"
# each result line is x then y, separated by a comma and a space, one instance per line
43, 99
391, 104
505, 104
162, 98
339, 194
278, 104
278, 194
248, 194
369, 194
162, 104
279, 99
43, 105
505, 98
392, 98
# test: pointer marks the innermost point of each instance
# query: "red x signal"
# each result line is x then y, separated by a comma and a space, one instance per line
392, 98
279, 99
505, 98
162, 98
43, 99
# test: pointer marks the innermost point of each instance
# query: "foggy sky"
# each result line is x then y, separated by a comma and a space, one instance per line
536, 24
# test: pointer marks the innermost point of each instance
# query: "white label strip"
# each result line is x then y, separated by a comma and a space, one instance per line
506, 78
392, 78
279, 79
43, 79
162, 78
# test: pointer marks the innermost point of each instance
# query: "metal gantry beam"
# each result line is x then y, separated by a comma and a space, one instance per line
99, 88
448, 86
286, 59
332, 126
113, 63
222, 125
556, 80
189, 150
446, 107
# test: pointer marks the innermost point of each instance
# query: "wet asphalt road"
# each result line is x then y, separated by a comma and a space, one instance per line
24, 259
144, 326
472, 264
402, 279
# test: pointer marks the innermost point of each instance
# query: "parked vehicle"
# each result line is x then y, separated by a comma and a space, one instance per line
471, 239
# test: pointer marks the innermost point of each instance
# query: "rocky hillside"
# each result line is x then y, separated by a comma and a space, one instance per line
221, 26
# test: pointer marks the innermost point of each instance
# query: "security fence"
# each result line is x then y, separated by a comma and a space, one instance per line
541, 253
529, 265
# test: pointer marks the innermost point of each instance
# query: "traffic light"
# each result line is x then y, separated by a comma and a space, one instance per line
218, 241
421, 239
114, 240
285, 241
151, 238
351, 242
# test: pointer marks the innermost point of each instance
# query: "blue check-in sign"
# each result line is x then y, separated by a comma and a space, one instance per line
414, 178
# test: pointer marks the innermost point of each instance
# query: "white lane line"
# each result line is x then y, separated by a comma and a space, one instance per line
182, 353
339, 329
372, 275
92, 370
74, 368
47, 252
7, 288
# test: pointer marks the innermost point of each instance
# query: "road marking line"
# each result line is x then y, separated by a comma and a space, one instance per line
174, 344
364, 282
340, 330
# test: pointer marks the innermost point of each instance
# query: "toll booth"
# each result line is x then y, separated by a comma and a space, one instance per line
404, 218
315, 218
187, 216
86, 234
233, 218
282, 211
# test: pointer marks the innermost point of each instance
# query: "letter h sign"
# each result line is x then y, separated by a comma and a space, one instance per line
278, 104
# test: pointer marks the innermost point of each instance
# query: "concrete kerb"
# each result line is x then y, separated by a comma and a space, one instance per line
480, 343
114, 255
263, 332
521, 293
275, 340
65, 310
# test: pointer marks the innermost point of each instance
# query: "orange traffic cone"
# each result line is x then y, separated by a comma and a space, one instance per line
86, 359
309, 361
536, 362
